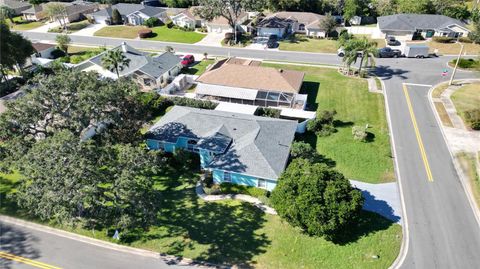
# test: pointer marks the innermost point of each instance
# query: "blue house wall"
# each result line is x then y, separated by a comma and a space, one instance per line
241, 179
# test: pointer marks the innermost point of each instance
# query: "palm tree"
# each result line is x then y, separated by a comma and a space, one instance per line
362, 48
115, 60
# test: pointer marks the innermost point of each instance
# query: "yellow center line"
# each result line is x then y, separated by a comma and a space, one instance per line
417, 134
33, 263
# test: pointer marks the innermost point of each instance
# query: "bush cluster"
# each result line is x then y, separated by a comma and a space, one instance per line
152, 22
359, 133
472, 117
322, 125
144, 33
443, 39
465, 63
268, 112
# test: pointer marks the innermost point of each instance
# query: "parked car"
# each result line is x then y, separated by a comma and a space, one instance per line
188, 60
391, 41
341, 53
389, 53
272, 41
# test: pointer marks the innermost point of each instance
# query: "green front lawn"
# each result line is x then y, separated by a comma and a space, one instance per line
232, 232
199, 67
119, 31
466, 98
327, 89
163, 33
23, 25
303, 43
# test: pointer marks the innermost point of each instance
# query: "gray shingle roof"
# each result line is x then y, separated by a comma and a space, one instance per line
14, 4
126, 9
152, 66
412, 22
259, 146
275, 22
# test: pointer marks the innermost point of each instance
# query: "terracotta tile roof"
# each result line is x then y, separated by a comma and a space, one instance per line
253, 77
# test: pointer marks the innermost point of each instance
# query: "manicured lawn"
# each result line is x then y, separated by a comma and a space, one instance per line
302, 43
468, 164
163, 33
71, 27
119, 31
231, 232
466, 98
380, 42
451, 48
199, 67
23, 25
327, 89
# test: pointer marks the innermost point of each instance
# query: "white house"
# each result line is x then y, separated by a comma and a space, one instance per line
74, 11
135, 14
188, 19
221, 25
43, 53
149, 72
286, 22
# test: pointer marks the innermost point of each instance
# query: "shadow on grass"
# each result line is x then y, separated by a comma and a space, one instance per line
17, 242
311, 88
366, 224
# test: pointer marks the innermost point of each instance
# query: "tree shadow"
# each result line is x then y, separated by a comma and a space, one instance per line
370, 137
385, 72
341, 124
17, 242
311, 88
366, 224
378, 206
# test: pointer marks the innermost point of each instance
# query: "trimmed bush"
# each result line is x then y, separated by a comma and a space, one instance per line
465, 63
443, 39
465, 39
144, 33
169, 24
229, 36
152, 22
472, 117
359, 133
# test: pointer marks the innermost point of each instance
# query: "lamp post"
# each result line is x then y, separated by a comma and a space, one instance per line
456, 64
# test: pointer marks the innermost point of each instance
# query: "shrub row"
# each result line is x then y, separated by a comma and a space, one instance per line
466, 63
268, 112
443, 39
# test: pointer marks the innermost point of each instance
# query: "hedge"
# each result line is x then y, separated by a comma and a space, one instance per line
443, 39
144, 33
268, 112
472, 117
466, 63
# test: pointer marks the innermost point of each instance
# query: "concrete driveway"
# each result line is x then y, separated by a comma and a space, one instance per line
89, 30
212, 39
46, 27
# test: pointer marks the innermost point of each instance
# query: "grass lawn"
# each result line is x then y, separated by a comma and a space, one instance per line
451, 48
163, 33
23, 25
469, 164
199, 67
119, 31
437, 92
380, 41
232, 232
71, 27
327, 89
302, 43
466, 98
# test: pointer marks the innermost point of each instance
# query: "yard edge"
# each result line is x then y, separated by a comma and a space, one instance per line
405, 232
461, 175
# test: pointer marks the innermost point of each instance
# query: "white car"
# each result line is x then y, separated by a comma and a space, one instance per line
341, 52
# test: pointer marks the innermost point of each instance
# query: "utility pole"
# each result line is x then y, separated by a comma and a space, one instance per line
456, 64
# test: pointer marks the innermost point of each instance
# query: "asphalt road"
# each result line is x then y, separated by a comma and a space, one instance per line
57, 251
442, 230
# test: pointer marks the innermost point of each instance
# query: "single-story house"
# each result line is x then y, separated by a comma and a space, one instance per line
17, 6
148, 72
43, 53
288, 22
134, 14
406, 26
246, 82
221, 25
188, 19
74, 11
237, 148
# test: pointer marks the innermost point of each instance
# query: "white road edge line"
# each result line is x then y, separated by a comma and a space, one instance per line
419, 85
458, 169
405, 236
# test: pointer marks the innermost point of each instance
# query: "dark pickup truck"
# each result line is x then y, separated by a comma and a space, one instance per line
389, 53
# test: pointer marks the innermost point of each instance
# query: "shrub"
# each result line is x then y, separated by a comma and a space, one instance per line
78, 25
116, 17
169, 24
144, 33
152, 22
465, 63
229, 36
443, 39
64, 59
472, 117
303, 150
322, 125
465, 39
268, 112
229, 188
57, 53
359, 133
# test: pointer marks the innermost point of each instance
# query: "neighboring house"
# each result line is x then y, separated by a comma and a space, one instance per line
17, 6
43, 55
407, 26
221, 25
150, 73
134, 14
237, 148
287, 22
246, 82
188, 19
75, 11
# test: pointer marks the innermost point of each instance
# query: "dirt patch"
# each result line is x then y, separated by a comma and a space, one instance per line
442, 113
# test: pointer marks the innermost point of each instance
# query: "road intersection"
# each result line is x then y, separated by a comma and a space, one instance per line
440, 229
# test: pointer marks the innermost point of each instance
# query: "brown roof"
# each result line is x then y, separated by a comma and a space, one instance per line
253, 77
190, 13
301, 17
223, 21
42, 46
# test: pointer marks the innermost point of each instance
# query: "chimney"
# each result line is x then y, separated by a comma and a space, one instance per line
124, 47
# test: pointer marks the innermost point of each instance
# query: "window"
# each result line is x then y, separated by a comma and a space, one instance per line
261, 183
226, 177
301, 27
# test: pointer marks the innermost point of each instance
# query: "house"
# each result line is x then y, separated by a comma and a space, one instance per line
221, 25
43, 53
74, 11
246, 82
285, 23
236, 148
188, 19
17, 6
150, 73
134, 14
408, 26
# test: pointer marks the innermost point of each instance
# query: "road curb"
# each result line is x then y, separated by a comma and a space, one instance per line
461, 175
168, 259
405, 232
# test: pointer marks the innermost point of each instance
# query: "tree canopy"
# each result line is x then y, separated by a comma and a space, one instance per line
14, 49
115, 60
317, 199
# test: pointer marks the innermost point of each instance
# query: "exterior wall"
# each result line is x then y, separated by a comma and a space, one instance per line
315, 33
242, 179
152, 144
270, 31
184, 22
